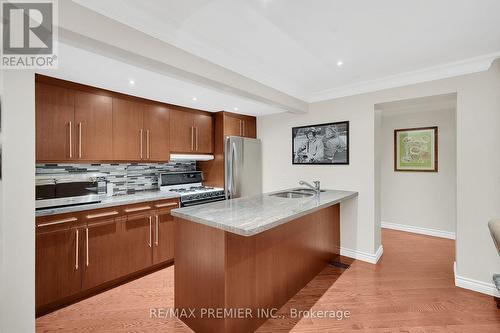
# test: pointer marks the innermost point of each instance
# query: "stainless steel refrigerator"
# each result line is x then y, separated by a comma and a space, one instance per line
242, 166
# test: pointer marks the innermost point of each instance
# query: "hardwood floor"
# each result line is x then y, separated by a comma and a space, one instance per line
411, 289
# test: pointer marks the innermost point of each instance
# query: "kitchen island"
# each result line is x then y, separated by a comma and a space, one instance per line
238, 261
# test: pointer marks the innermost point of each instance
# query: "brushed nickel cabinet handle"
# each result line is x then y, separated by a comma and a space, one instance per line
148, 142
87, 245
137, 209
168, 204
192, 138
197, 136
76, 249
243, 127
156, 233
79, 140
241, 131
69, 219
98, 215
141, 142
150, 231
70, 140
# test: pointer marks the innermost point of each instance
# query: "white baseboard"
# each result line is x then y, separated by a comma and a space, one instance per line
372, 258
475, 285
419, 230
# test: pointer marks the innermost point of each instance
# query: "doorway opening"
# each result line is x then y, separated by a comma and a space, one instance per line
416, 180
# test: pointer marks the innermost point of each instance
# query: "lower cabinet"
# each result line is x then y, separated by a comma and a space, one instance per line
102, 255
58, 261
79, 252
163, 248
137, 237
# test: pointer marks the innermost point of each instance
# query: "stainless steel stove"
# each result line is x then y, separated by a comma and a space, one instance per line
190, 187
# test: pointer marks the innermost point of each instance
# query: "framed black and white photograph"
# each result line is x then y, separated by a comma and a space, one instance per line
321, 144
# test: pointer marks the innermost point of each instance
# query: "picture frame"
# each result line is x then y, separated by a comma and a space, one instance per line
416, 149
321, 144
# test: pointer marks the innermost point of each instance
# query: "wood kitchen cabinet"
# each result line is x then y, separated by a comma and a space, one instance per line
58, 262
203, 125
55, 120
102, 256
79, 123
128, 132
137, 237
163, 248
93, 127
156, 121
78, 254
191, 132
140, 131
239, 125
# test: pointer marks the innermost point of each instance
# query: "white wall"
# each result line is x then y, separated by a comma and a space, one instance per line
478, 164
17, 301
358, 231
420, 199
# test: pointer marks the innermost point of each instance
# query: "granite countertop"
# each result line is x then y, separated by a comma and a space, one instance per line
111, 201
251, 215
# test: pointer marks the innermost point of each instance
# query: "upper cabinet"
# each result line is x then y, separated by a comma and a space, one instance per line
93, 126
156, 120
191, 132
82, 124
128, 132
55, 120
140, 131
72, 125
239, 125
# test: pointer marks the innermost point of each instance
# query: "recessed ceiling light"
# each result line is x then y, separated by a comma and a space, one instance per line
131, 82
339, 63
235, 109
194, 99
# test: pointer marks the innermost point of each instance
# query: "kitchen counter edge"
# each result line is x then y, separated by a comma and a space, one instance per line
118, 200
257, 230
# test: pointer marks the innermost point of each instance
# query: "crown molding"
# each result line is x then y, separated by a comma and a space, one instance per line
468, 66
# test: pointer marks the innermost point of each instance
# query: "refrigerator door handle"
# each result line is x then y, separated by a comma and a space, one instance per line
228, 167
232, 174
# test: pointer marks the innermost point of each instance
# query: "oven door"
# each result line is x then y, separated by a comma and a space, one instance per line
201, 201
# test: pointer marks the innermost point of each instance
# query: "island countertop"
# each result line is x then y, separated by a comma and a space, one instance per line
252, 215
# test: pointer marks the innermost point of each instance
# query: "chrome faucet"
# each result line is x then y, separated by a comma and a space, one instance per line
316, 186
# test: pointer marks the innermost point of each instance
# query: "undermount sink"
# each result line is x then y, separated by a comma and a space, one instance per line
292, 195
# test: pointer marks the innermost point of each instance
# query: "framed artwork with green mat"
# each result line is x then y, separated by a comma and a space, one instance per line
416, 149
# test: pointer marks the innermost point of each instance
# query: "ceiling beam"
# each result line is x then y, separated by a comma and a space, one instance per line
86, 29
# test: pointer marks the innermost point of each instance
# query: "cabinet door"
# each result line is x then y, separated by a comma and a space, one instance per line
181, 132
163, 249
249, 127
94, 126
102, 253
137, 238
232, 126
58, 261
157, 127
128, 136
203, 133
55, 131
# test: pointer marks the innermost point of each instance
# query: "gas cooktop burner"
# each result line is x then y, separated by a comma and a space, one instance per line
191, 189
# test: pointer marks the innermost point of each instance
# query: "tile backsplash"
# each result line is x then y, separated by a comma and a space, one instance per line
127, 177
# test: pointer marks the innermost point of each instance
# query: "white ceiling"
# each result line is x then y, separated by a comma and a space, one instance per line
96, 70
294, 45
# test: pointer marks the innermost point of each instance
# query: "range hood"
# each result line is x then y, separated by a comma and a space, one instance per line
191, 157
